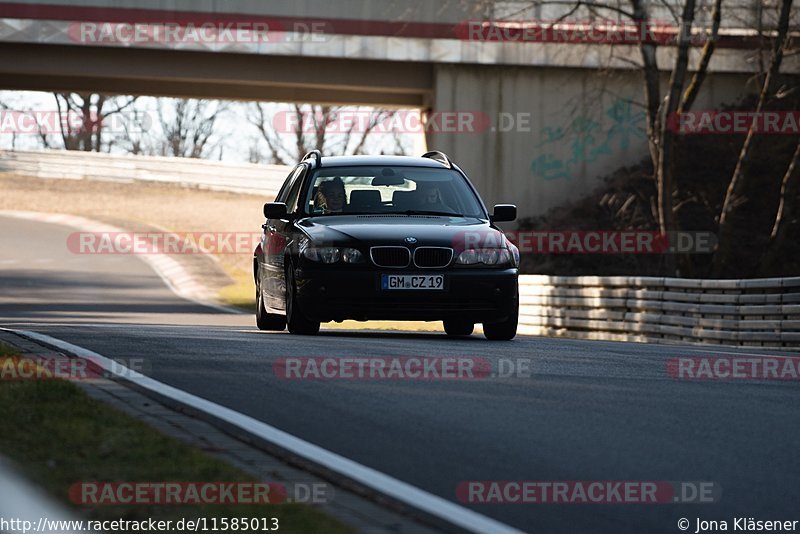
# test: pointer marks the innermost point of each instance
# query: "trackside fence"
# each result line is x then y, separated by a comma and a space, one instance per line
758, 312
78, 165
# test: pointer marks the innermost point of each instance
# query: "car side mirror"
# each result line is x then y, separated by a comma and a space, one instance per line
275, 210
504, 213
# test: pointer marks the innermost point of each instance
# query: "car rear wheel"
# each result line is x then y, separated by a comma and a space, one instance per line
505, 330
455, 327
264, 320
295, 320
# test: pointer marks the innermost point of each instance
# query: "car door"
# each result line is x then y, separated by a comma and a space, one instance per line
276, 238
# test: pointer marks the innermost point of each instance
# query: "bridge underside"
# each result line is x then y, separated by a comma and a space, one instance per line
193, 74
552, 132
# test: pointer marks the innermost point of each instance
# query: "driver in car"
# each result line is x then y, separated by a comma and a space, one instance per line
431, 198
331, 197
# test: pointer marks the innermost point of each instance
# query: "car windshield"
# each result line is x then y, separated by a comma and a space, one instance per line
387, 190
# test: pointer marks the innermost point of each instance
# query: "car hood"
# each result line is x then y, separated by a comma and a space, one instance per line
373, 230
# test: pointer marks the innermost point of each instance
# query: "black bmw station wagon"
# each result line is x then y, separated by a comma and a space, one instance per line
385, 237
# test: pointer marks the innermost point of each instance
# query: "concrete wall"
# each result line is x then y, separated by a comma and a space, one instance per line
581, 125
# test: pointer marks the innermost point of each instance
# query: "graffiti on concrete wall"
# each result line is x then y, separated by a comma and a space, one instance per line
587, 140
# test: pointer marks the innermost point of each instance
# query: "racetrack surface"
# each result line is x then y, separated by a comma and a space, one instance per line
589, 410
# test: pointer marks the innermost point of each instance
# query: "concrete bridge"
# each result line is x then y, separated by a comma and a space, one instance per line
559, 111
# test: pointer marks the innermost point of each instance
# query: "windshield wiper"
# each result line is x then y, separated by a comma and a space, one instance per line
342, 213
426, 212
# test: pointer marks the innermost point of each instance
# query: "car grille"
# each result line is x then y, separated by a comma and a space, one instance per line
433, 257
397, 257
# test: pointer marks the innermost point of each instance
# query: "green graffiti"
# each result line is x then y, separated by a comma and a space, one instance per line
587, 141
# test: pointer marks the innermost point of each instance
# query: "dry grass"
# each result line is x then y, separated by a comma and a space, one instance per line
60, 436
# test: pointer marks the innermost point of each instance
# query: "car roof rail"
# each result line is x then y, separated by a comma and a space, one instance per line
441, 157
314, 154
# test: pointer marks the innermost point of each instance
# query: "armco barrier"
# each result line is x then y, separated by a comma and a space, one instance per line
759, 312
78, 165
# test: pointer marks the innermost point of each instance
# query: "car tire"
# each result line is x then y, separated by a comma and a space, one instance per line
505, 330
457, 328
295, 320
264, 320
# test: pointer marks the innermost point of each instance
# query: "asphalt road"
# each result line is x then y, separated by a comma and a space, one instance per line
589, 410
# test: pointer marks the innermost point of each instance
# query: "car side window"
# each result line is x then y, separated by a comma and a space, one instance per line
294, 190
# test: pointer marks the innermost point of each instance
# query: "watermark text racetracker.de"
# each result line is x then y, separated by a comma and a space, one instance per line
598, 31
57, 122
384, 122
40, 367
184, 524
181, 493
209, 242
733, 122
204, 33
400, 368
587, 492
591, 241
783, 368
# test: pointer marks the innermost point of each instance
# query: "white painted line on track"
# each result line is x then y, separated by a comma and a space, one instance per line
406, 493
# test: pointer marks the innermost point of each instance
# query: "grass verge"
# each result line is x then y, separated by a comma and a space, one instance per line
59, 436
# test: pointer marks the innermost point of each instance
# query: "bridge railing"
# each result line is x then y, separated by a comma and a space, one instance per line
78, 165
759, 312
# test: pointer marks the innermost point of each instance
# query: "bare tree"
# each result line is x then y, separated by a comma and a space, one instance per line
661, 137
83, 117
665, 139
6, 107
680, 96
787, 211
734, 194
289, 134
188, 129
133, 141
80, 123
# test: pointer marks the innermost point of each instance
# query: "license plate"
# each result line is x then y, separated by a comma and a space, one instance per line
412, 281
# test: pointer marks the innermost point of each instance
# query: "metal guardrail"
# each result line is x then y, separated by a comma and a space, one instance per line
759, 312
77, 165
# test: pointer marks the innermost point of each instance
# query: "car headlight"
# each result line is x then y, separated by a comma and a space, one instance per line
352, 255
333, 254
484, 256
322, 254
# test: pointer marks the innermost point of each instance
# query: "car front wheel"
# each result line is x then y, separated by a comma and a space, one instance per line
456, 328
505, 330
295, 320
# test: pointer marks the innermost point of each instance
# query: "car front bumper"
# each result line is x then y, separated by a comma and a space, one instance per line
349, 292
